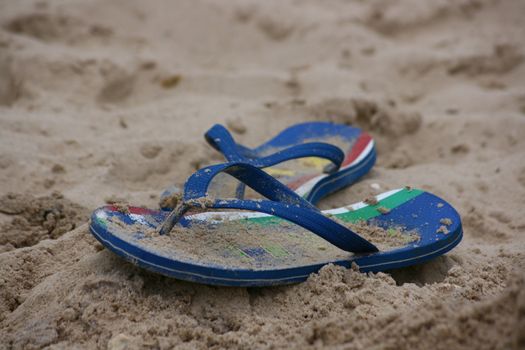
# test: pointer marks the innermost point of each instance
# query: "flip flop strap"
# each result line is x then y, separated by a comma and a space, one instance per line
221, 139
282, 202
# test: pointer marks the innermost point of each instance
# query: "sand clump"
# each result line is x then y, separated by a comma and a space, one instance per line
47, 27
384, 239
36, 218
503, 59
382, 117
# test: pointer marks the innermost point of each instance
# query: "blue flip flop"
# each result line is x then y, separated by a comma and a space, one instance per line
278, 240
314, 159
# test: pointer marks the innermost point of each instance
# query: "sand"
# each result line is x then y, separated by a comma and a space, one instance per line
109, 99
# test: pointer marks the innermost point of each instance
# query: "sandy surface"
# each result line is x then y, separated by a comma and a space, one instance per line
109, 99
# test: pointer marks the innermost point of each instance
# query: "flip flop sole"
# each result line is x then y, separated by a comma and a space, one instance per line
269, 251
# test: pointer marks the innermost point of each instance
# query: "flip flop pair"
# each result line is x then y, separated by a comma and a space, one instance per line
280, 239
314, 159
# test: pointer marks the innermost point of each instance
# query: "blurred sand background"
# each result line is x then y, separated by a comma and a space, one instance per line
108, 100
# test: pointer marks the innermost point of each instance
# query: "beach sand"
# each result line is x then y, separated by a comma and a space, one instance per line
108, 100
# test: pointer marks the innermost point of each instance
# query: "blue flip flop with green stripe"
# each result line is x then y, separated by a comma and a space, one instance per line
279, 240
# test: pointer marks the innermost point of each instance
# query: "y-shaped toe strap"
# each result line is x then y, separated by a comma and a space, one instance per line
221, 139
282, 202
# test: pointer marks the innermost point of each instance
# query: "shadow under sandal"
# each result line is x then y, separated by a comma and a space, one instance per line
278, 240
313, 159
